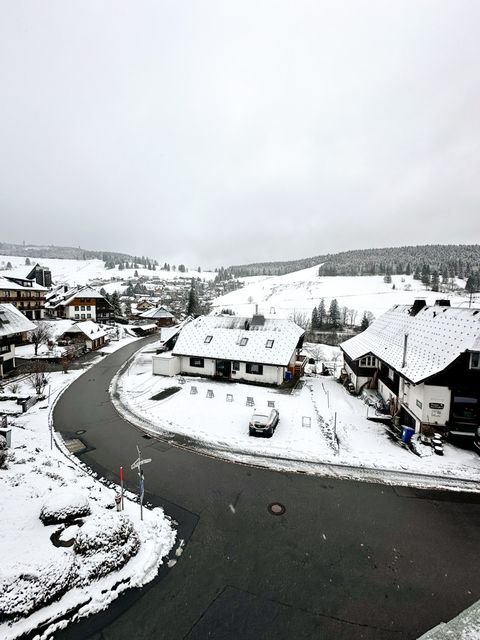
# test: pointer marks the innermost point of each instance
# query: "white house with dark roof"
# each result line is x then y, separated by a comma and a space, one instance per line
12, 323
425, 362
256, 349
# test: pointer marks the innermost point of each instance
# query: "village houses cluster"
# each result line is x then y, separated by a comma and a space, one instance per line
421, 361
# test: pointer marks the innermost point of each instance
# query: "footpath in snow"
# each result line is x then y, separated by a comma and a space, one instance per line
322, 428
53, 574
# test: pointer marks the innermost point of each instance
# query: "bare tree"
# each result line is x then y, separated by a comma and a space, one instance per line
300, 318
353, 316
38, 377
40, 335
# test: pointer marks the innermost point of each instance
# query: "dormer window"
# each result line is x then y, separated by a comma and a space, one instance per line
208, 339
475, 360
269, 344
368, 361
243, 341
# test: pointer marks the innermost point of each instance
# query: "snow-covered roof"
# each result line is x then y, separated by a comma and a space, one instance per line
89, 328
60, 297
436, 337
7, 283
226, 337
157, 312
13, 321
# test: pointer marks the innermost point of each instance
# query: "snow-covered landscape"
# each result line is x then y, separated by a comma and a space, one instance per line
84, 553
300, 291
320, 425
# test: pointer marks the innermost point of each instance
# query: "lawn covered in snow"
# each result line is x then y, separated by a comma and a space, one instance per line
307, 436
111, 551
80, 272
300, 291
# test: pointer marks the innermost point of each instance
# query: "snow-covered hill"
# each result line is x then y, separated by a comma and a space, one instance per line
83, 271
302, 290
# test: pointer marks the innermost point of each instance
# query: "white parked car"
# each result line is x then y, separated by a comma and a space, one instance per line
264, 423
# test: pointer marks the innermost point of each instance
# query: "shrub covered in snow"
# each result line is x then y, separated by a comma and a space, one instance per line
103, 544
37, 586
64, 505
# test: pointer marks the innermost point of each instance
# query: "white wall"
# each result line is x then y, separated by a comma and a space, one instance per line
165, 366
419, 398
271, 374
70, 312
208, 368
357, 381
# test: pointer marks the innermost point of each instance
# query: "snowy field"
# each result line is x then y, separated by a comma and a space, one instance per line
80, 272
306, 438
302, 290
35, 478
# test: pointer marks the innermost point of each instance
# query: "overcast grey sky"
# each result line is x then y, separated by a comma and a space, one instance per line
221, 132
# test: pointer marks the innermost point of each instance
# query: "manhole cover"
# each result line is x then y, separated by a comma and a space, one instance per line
80, 432
276, 508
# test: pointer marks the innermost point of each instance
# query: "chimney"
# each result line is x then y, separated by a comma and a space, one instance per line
256, 309
442, 303
405, 341
417, 306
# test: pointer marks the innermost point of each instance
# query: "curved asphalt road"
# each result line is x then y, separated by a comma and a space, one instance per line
347, 560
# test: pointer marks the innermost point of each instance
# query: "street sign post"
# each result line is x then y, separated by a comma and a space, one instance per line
141, 478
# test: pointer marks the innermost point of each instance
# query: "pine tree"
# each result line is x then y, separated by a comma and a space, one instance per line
321, 313
27, 262
314, 321
334, 314
193, 307
115, 302
365, 323
435, 281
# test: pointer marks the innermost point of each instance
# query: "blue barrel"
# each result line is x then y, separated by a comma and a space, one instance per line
288, 376
407, 433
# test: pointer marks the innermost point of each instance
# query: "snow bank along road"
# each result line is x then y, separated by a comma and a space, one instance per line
347, 560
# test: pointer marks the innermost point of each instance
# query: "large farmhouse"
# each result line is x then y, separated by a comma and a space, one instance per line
79, 303
425, 362
12, 323
256, 349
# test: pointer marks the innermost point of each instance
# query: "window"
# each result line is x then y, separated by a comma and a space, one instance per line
253, 367
391, 374
83, 308
77, 316
235, 366
197, 362
243, 342
77, 308
269, 344
89, 315
475, 360
368, 361
82, 315
89, 307
208, 339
